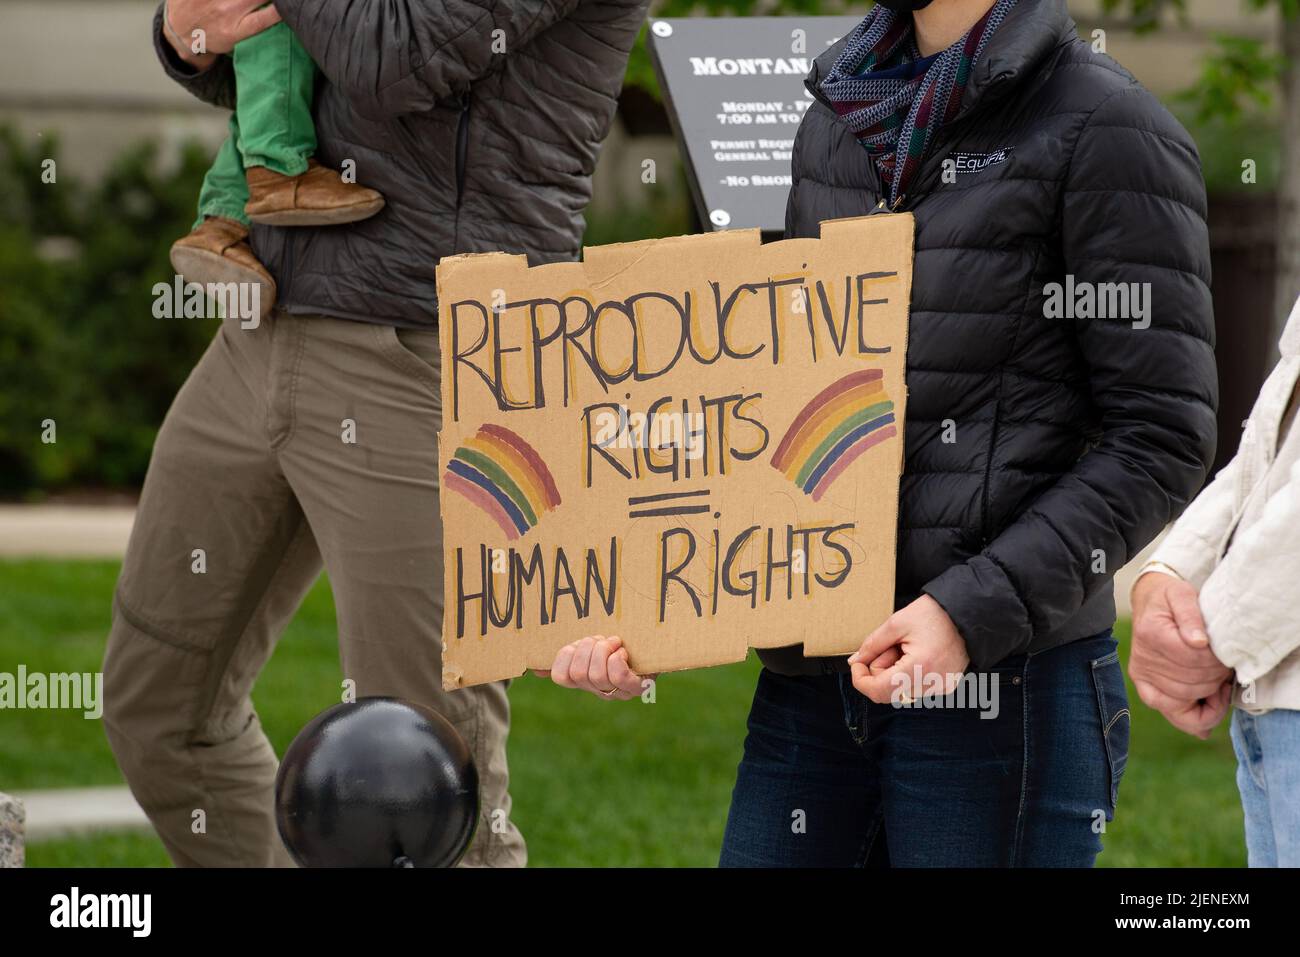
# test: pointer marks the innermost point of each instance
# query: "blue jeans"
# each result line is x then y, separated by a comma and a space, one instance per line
831, 779
1268, 776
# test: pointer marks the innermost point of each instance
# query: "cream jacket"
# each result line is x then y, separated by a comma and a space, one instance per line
1239, 543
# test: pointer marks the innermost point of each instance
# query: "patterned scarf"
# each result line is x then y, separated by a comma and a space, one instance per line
894, 99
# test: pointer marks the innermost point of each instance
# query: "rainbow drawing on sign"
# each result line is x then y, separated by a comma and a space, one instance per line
504, 476
842, 421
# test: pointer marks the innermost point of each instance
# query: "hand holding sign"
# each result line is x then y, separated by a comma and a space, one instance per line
599, 665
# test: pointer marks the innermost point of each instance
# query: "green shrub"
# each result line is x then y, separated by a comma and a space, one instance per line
79, 343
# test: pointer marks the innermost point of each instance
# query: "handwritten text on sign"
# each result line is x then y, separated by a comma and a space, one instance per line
693, 443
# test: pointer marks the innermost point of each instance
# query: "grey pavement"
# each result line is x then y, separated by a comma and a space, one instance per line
65, 531
63, 811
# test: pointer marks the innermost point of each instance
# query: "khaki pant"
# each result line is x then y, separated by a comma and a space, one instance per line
253, 482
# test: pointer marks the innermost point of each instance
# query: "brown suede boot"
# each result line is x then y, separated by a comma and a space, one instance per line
218, 252
318, 197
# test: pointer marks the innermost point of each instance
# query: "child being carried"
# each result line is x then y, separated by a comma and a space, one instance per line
265, 171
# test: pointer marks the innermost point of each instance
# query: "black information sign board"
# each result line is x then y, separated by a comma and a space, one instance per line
734, 91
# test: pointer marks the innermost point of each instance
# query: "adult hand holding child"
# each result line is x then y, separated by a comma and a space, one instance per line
222, 23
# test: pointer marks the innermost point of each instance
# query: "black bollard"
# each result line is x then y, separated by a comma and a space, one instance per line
378, 783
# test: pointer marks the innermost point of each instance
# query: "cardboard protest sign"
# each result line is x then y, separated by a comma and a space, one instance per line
693, 443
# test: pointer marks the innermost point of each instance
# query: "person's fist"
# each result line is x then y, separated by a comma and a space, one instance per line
920, 636
599, 665
1172, 665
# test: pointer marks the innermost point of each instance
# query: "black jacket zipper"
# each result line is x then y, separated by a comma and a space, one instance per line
462, 146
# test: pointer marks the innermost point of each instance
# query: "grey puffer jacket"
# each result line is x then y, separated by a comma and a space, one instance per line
1043, 451
474, 150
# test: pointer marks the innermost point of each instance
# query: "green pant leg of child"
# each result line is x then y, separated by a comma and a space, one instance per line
275, 81
225, 190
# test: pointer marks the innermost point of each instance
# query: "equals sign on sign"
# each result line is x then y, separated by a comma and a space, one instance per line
669, 503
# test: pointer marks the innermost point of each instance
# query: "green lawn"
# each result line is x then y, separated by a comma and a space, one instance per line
593, 783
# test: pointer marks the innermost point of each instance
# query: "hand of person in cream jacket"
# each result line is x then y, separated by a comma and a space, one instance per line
1172, 665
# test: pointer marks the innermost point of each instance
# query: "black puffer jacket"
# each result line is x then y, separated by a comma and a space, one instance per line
1071, 441
474, 149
